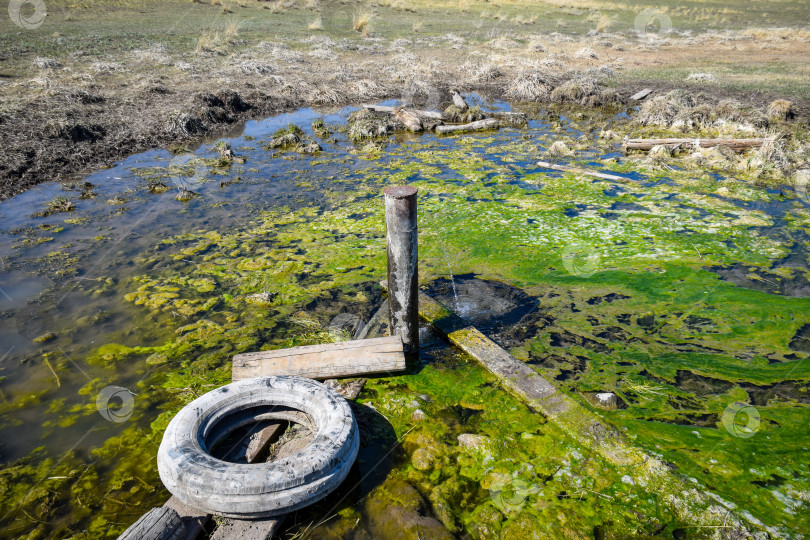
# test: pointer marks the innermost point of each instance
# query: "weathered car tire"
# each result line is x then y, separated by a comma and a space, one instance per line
242, 491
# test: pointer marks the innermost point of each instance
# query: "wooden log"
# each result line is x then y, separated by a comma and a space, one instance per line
402, 249
580, 170
478, 125
512, 118
641, 95
433, 115
734, 144
328, 361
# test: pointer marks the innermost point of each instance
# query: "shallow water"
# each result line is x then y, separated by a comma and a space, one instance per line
626, 288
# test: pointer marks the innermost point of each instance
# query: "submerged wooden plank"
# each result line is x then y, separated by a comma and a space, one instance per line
580, 170
327, 361
689, 501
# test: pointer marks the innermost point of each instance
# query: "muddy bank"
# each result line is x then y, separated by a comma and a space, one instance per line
74, 129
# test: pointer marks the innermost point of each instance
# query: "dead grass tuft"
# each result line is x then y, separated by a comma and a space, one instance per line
662, 110
361, 22
532, 85
780, 110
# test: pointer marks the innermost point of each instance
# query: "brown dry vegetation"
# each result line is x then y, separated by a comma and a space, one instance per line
81, 91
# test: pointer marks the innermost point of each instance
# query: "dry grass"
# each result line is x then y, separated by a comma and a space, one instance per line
361, 22
532, 85
781, 109
604, 22
208, 42
231, 30
317, 24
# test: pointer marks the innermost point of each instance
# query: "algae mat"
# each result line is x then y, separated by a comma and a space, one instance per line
680, 291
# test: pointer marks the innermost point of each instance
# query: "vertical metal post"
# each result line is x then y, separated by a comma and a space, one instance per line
403, 263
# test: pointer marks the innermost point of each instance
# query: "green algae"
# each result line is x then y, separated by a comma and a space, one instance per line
652, 323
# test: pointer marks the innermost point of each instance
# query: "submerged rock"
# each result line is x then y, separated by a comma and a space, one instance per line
283, 141
473, 441
262, 298
559, 148
185, 195
364, 124
453, 113
309, 147
606, 400
397, 512
425, 450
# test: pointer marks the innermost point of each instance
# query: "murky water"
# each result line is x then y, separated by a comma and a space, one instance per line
118, 312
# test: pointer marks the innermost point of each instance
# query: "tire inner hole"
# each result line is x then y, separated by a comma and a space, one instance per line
259, 434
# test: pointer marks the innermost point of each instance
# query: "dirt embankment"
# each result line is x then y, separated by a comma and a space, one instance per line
73, 128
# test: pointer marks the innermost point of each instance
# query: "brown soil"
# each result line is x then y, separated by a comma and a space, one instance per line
74, 129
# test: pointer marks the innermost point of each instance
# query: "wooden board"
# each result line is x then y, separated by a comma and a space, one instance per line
243, 529
161, 523
193, 520
580, 170
478, 125
328, 361
734, 144
688, 501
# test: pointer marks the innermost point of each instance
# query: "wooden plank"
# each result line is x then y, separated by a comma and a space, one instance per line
377, 325
687, 500
478, 125
580, 170
512, 118
641, 95
391, 110
259, 441
327, 361
734, 144
348, 389
243, 529
160, 523
194, 520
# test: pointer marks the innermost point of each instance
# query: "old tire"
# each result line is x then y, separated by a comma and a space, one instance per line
244, 491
